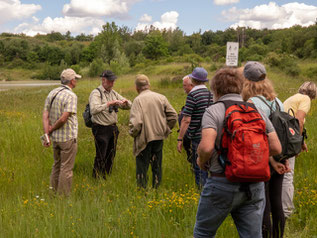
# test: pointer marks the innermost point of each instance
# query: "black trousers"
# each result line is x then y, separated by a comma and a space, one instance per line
106, 138
273, 196
152, 154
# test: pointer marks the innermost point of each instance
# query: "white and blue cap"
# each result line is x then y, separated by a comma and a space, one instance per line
199, 74
254, 71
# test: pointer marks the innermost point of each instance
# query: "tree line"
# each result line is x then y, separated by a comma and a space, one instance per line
122, 50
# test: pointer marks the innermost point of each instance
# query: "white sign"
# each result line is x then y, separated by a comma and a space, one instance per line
232, 53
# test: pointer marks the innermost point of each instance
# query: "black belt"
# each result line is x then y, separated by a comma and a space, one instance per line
96, 124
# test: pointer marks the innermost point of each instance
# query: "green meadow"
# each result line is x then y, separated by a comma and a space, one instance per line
114, 207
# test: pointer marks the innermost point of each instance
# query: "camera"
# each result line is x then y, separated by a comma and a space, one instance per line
113, 108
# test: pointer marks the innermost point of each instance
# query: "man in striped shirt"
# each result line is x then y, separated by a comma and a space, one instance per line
60, 123
198, 99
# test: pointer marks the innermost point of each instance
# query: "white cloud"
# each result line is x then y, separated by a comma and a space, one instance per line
168, 21
225, 2
35, 19
14, 9
146, 18
75, 25
98, 8
273, 16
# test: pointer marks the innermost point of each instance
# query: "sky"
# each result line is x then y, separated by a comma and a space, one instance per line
87, 16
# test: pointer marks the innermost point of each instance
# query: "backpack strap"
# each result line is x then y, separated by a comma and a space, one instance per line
270, 107
100, 92
222, 158
222, 152
277, 105
56, 95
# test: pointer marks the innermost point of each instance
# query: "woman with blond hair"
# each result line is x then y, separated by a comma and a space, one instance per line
300, 103
259, 90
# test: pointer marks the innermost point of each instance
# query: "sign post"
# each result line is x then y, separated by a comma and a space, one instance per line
232, 53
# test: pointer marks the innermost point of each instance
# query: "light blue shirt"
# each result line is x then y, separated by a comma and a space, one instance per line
262, 106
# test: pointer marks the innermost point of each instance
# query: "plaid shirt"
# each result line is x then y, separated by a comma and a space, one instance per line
65, 101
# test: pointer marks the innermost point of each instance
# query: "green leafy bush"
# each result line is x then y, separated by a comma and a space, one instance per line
96, 67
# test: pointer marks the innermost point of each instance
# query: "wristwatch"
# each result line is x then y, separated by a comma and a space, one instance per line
179, 139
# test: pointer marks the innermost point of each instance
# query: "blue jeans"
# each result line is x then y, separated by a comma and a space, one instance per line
200, 175
221, 197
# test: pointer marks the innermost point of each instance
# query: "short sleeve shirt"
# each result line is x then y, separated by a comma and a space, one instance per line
298, 102
65, 101
196, 104
214, 117
262, 106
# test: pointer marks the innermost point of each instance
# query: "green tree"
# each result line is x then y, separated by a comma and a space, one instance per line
105, 41
155, 46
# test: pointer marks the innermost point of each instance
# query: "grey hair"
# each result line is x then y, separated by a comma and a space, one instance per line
65, 81
308, 88
144, 87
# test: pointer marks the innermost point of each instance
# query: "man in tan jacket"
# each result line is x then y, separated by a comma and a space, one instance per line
104, 103
151, 119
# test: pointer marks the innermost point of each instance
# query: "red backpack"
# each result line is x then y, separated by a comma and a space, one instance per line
244, 148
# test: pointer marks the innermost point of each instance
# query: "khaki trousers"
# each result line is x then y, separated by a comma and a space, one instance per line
62, 171
288, 189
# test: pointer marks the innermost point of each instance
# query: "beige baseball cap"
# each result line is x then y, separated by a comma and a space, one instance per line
69, 74
142, 80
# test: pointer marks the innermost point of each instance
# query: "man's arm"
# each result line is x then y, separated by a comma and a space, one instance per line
60, 122
184, 126
46, 125
300, 115
274, 144
171, 115
46, 121
123, 102
135, 122
206, 146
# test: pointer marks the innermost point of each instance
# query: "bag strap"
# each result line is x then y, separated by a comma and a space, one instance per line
277, 106
100, 93
56, 95
270, 107
291, 110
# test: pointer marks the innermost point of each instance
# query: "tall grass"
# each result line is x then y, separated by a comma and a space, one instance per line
114, 207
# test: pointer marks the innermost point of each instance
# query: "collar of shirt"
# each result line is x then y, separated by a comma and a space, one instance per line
231, 96
146, 90
198, 87
65, 86
104, 90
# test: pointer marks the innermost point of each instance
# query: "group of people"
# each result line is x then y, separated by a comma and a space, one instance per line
152, 118
250, 209
201, 124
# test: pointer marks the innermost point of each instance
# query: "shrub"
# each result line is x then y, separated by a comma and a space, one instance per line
76, 67
50, 72
289, 66
96, 67
273, 59
213, 67
311, 72
166, 82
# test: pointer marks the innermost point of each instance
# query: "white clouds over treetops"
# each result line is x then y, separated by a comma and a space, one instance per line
273, 16
225, 2
146, 18
79, 16
14, 9
168, 21
98, 8
75, 25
